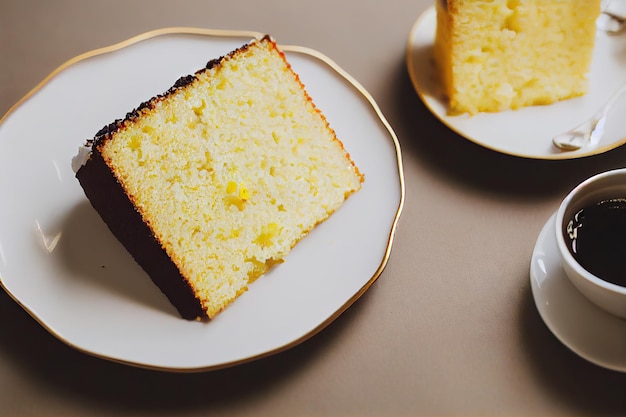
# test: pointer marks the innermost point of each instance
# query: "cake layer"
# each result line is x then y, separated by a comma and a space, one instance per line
213, 182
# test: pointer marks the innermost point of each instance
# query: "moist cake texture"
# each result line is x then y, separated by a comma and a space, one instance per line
494, 55
213, 182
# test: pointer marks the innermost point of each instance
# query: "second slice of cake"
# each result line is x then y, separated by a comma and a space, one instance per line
213, 182
496, 55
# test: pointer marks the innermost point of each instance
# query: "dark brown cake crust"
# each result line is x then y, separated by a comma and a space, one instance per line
182, 82
108, 198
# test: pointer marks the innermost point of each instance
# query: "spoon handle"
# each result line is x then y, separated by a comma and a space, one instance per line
590, 131
612, 19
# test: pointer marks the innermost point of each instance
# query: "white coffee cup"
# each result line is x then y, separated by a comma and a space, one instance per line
607, 185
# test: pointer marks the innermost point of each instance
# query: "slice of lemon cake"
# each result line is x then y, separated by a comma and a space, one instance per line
505, 54
213, 182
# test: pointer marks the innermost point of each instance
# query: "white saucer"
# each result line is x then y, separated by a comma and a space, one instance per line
526, 132
587, 330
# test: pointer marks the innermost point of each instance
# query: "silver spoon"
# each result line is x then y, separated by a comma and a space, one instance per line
589, 132
612, 20
611, 24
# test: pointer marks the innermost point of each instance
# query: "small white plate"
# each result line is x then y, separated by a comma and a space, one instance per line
587, 330
63, 266
526, 132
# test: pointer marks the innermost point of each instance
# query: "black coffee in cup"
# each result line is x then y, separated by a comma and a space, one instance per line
596, 237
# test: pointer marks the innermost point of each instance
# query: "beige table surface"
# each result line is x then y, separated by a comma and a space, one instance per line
449, 328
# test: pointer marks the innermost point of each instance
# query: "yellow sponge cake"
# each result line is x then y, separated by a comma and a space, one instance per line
505, 54
211, 183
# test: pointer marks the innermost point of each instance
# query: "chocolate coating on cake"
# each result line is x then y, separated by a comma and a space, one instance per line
110, 201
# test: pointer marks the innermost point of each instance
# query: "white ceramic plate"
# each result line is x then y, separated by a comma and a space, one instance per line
62, 265
526, 132
587, 330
